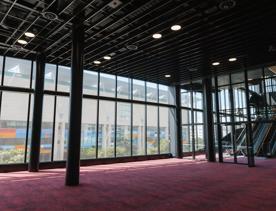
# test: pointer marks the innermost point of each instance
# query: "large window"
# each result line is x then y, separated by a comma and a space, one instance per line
152, 92
123, 87
138, 90
107, 85
61, 128
166, 95
114, 123
106, 131
89, 129
1, 67
152, 130
123, 139
47, 128
90, 82
13, 127
166, 128
50, 77
64, 78
138, 130
17, 72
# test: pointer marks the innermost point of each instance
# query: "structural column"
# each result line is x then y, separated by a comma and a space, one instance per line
179, 150
73, 156
249, 138
193, 120
219, 134
37, 114
232, 119
208, 119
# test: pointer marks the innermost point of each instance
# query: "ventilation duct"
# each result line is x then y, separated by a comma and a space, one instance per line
52, 12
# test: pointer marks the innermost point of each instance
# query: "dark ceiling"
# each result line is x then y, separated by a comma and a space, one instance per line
209, 33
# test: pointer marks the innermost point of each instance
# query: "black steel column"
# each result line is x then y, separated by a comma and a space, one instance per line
219, 134
37, 114
73, 156
249, 137
179, 150
233, 125
192, 120
208, 119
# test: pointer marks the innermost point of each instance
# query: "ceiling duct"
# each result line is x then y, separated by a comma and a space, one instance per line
131, 47
114, 4
52, 12
227, 4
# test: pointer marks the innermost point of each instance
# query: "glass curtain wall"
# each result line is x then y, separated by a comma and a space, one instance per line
233, 113
120, 116
192, 126
16, 90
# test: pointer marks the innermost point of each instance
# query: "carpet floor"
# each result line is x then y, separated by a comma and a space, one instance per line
168, 184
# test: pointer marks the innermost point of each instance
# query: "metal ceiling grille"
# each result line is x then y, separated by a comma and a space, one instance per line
210, 32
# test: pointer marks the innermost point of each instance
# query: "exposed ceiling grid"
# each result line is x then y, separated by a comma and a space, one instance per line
210, 32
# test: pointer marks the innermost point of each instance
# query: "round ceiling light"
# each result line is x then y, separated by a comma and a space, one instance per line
215, 63
107, 57
157, 36
97, 62
23, 42
232, 59
167, 76
176, 27
29, 34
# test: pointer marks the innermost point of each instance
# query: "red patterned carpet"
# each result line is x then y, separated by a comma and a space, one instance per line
170, 184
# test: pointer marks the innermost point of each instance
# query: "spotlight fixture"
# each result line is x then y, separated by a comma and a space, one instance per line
215, 63
157, 36
176, 27
29, 34
107, 57
23, 42
97, 62
232, 59
167, 76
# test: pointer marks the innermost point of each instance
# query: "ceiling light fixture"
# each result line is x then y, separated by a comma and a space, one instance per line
23, 42
167, 76
97, 62
176, 27
107, 57
215, 63
157, 36
29, 34
232, 59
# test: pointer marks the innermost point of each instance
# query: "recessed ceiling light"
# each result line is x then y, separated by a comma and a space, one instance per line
23, 42
30, 34
97, 62
157, 36
215, 63
176, 27
232, 59
107, 57
167, 76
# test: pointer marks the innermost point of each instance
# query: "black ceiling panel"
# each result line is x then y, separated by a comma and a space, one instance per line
209, 33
